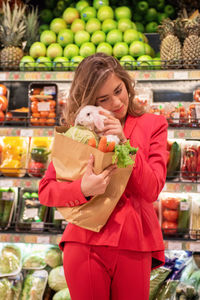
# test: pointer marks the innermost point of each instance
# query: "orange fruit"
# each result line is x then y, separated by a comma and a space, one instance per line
36, 115
3, 90
2, 116
9, 116
44, 114
50, 122
3, 103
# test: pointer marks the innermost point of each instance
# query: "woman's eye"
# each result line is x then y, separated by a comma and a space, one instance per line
103, 100
118, 92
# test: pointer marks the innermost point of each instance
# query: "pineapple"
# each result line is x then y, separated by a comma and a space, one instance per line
191, 45
12, 30
170, 49
32, 28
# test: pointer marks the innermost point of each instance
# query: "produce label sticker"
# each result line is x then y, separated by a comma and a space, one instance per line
57, 215
180, 75
10, 196
37, 225
184, 206
43, 239
43, 106
49, 90
26, 132
31, 213
6, 183
194, 246
2, 76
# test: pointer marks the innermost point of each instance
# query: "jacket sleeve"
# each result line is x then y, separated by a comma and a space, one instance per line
149, 174
59, 194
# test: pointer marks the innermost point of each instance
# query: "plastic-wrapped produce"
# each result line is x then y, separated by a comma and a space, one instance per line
176, 114
62, 295
53, 257
34, 285
173, 165
10, 260
31, 214
195, 217
11, 287
40, 148
14, 156
158, 276
194, 115
34, 261
56, 279
190, 161
8, 197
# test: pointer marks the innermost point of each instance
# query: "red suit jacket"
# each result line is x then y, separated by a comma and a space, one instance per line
133, 225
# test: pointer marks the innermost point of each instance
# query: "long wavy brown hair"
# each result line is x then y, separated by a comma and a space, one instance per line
91, 73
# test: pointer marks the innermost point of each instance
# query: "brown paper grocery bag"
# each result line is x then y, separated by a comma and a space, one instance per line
70, 159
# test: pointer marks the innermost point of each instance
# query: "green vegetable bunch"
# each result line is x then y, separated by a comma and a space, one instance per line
122, 155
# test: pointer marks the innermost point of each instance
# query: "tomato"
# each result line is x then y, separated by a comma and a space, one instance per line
36, 169
50, 122
2, 116
169, 228
34, 107
52, 115
36, 115
34, 121
9, 116
36, 91
44, 114
52, 104
170, 215
3, 90
3, 103
171, 203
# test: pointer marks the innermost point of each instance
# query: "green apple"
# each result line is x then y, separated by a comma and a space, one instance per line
43, 63
104, 13
77, 25
81, 37
104, 48
65, 37
114, 36
27, 63
130, 35
128, 62
93, 25
144, 62
70, 51
75, 61
99, 3
37, 49
120, 49
124, 24
151, 27
122, 12
43, 27
88, 13
142, 37
54, 50
61, 63
149, 50
70, 14
57, 25
87, 49
48, 37
108, 25
81, 4
137, 48
151, 15
156, 63
139, 26
98, 37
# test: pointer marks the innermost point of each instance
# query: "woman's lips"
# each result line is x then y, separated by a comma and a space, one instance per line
119, 110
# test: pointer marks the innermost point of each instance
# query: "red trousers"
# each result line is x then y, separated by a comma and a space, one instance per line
105, 273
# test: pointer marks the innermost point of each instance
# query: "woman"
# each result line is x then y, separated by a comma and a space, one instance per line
116, 262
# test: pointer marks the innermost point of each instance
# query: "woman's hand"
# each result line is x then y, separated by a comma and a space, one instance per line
113, 126
93, 184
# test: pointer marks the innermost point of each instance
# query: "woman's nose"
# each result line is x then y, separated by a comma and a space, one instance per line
115, 100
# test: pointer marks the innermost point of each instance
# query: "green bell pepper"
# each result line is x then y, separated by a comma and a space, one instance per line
39, 154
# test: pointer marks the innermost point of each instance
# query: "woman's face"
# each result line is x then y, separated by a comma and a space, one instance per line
113, 96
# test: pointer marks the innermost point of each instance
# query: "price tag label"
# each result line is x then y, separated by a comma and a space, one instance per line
180, 75
194, 246
37, 225
49, 90
174, 245
6, 183
26, 132
43, 106
2, 76
10, 196
43, 239
198, 188
170, 134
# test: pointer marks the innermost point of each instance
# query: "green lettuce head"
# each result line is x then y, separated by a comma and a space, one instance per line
80, 134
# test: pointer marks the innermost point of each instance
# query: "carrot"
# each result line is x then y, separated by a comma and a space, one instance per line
110, 147
102, 144
92, 142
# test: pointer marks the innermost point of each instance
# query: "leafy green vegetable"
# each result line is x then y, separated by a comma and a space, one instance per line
34, 285
34, 261
56, 279
5, 286
53, 257
62, 295
9, 263
80, 134
122, 155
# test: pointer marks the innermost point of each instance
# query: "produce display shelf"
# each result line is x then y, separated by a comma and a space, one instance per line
43, 238
142, 75
176, 187
29, 182
178, 133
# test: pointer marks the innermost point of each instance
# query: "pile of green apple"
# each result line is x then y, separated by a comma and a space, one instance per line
84, 30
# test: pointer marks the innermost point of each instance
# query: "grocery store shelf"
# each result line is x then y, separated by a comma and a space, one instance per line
38, 238
27, 132
142, 75
30, 182
176, 186
183, 133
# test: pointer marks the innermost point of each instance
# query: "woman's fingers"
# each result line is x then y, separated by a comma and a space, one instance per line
109, 171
